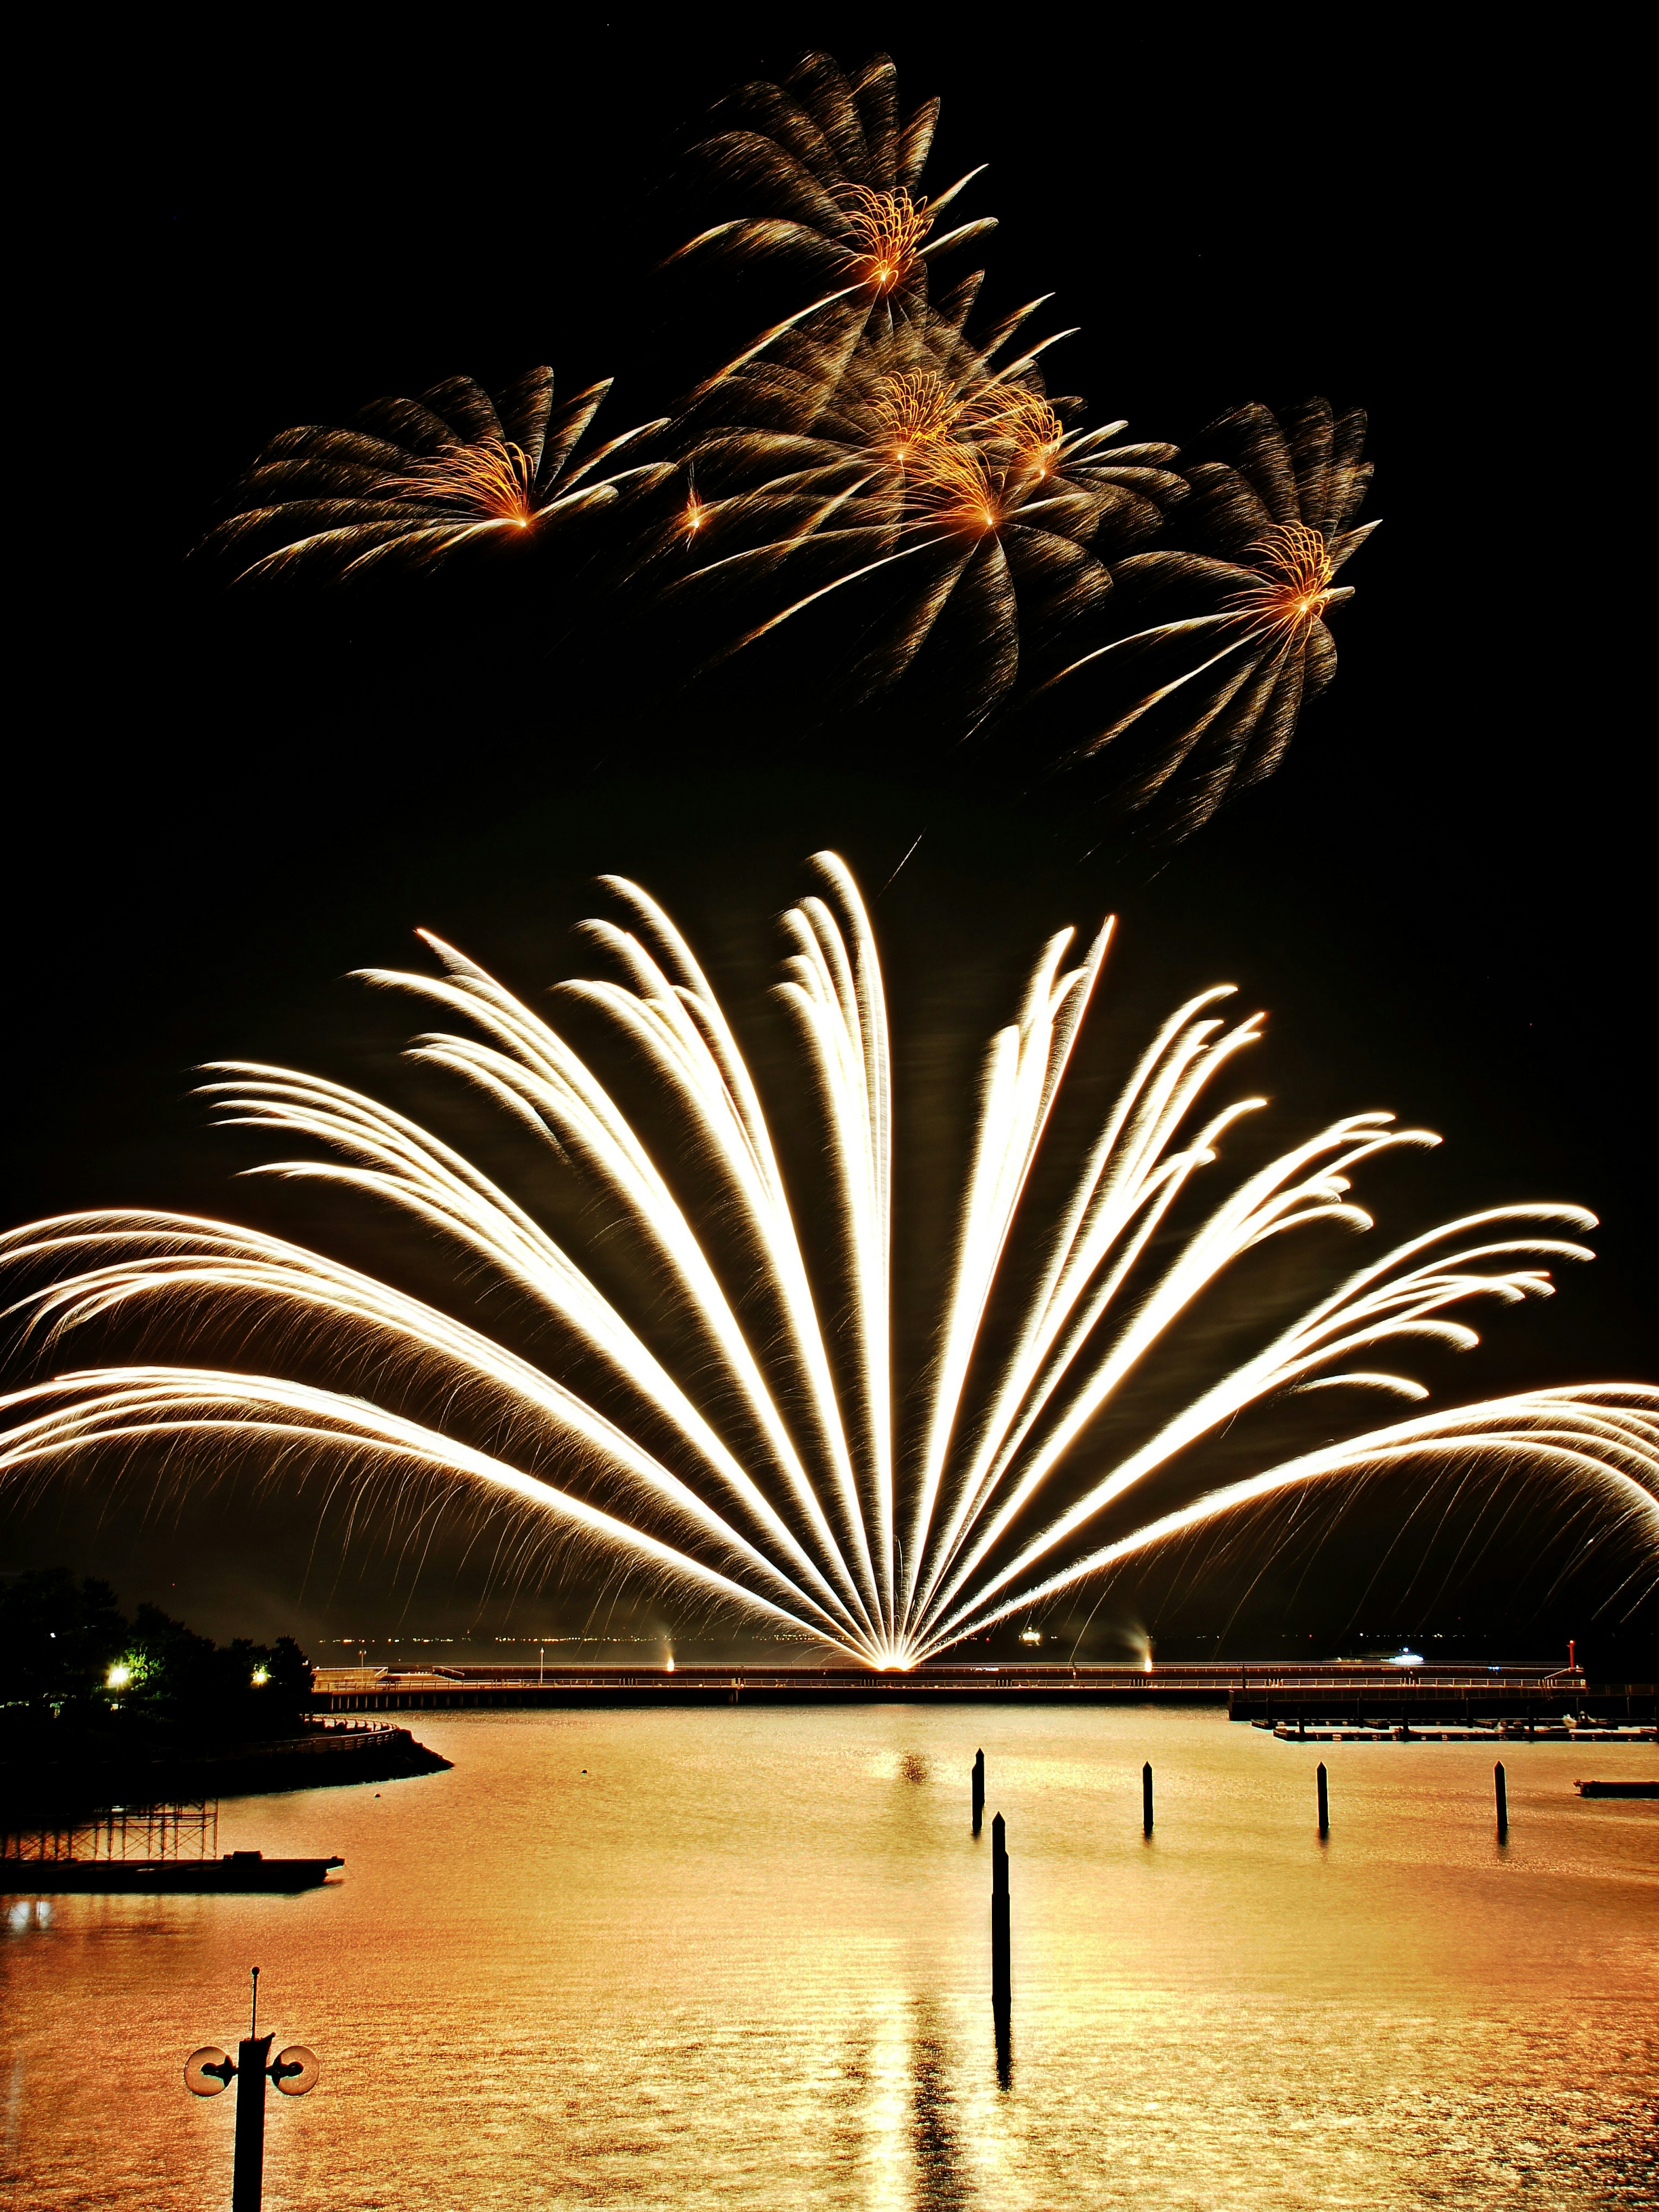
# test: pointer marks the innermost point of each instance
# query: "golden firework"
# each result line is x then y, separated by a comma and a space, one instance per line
494, 481
953, 484
885, 231
826, 172
915, 451
1066, 1413
1292, 587
1008, 414
415, 480
910, 412
1272, 521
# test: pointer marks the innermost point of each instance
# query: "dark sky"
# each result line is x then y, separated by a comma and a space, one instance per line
1442, 898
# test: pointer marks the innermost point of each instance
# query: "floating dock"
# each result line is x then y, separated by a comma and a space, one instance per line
1500, 1733
237, 1871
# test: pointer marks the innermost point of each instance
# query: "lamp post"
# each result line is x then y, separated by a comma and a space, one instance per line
209, 2072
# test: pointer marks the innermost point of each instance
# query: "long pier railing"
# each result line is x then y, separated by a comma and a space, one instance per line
1256, 1691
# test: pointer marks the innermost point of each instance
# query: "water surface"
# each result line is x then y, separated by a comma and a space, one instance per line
740, 1958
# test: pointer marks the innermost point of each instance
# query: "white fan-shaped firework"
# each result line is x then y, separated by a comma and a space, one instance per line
744, 1442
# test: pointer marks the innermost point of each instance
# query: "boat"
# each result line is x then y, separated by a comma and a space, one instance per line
236, 1871
1617, 1789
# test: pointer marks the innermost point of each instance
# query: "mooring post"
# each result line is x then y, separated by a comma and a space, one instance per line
1324, 1804
1147, 1799
1000, 1988
979, 1789
1503, 1802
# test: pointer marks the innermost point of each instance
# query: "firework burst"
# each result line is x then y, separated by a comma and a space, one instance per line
901, 494
740, 1436
1266, 529
416, 480
927, 474
829, 172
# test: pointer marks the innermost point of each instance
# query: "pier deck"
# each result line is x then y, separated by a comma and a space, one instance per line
1378, 1696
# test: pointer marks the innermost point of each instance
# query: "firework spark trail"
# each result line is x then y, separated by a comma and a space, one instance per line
981, 1543
202, 1258
1401, 1309
1023, 1074
831, 180
1130, 1173
1607, 1432
1267, 530
535, 1070
421, 479
838, 1000
176, 1401
1240, 1223
922, 453
830, 177
464, 1207
865, 437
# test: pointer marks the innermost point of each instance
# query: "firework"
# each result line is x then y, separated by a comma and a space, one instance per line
900, 493
1267, 532
742, 1441
829, 175
417, 479
929, 467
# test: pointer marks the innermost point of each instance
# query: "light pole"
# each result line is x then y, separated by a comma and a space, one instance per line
207, 2072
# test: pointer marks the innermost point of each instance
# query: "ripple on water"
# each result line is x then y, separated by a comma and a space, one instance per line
738, 1958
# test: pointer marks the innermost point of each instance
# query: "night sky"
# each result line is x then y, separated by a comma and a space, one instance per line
222, 806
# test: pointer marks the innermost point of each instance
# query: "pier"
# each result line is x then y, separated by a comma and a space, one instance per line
1374, 1698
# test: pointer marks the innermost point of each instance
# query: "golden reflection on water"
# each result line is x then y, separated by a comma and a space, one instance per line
741, 1958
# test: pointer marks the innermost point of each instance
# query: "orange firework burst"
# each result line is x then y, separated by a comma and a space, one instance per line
826, 171
1291, 587
1280, 510
885, 231
920, 457
494, 481
1009, 416
914, 483
910, 412
953, 485
417, 479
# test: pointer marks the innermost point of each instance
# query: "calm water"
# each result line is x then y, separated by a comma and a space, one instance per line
740, 1959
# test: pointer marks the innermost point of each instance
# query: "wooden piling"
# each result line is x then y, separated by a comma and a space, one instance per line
1147, 1799
1001, 1985
1502, 1800
979, 1789
1324, 1804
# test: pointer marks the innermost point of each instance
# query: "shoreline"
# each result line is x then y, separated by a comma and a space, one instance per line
331, 1758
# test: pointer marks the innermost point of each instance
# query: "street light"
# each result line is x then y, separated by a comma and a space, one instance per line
207, 2072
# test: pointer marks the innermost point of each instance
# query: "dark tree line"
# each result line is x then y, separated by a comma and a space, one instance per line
74, 1667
